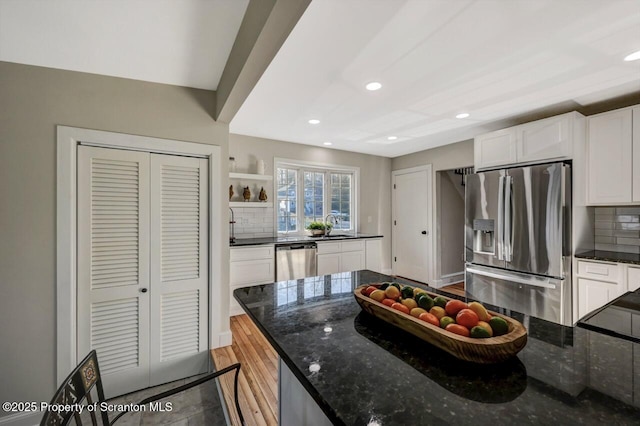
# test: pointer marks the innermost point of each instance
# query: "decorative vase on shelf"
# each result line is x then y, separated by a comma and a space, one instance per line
246, 194
263, 195
230, 192
260, 167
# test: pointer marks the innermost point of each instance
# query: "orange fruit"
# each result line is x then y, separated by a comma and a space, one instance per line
458, 329
430, 318
388, 302
400, 307
367, 291
392, 292
467, 317
454, 306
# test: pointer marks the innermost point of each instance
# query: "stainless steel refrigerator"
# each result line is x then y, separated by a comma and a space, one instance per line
517, 239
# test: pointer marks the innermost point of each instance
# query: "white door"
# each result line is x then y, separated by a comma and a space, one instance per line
142, 266
411, 235
113, 265
179, 267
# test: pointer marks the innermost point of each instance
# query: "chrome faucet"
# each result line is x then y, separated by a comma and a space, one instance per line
328, 222
232, 222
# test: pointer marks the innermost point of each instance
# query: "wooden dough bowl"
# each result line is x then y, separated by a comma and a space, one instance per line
483, 351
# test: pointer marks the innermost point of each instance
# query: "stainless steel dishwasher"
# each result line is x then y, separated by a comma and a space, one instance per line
295, 260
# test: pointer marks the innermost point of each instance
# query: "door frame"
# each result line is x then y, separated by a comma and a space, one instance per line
68, 139
427, 187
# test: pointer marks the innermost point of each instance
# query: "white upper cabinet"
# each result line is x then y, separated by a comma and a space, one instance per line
495, 148
544, 139
548, 139
636, 154
610, 158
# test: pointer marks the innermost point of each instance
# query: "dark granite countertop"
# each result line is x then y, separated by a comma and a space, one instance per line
610, 256
620, 318
241, 242
373, 373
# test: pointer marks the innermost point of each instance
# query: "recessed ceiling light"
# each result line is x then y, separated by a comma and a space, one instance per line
328, 143
463, 115
314, 121
392, 138
632, 57
374, 85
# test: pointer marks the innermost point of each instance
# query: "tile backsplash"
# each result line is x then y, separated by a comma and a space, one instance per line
617, 229
253, 222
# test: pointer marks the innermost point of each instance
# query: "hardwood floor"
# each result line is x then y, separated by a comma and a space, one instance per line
457, 289
258, 380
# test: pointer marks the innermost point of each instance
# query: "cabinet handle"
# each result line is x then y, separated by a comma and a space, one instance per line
143, 290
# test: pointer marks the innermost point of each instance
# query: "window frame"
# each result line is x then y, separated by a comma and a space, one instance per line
300, 166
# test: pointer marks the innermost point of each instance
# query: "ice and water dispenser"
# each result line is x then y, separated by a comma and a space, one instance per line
484, 236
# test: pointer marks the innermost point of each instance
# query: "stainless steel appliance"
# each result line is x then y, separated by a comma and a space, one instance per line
517, 239
296, 260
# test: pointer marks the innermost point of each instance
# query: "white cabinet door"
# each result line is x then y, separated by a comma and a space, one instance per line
609, 157
495, 148
113, 265
329, 263
594, 294
352, 261
633, 279
179, 267
636, 155
545, 139
373, 255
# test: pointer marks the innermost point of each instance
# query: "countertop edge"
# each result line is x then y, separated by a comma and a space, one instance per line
277, 240
609, 256
322, 403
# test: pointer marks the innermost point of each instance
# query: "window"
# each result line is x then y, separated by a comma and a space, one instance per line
315, 192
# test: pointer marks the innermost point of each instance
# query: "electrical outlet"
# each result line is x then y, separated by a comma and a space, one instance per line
369, 219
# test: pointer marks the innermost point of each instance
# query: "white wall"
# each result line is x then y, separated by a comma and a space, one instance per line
33, 100
375, 177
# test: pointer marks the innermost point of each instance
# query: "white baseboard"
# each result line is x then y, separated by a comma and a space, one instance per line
224, 339
22, 419
448, 279
387, 271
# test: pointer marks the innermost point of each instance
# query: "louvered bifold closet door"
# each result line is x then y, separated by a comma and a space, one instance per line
179, 267
113, 265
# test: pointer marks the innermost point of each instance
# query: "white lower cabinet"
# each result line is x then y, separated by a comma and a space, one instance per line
598, 284
249, 266
633, 278
341, 256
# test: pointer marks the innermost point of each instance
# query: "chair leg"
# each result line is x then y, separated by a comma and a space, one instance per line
235, 394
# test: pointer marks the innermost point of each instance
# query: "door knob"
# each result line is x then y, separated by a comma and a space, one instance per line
143, 290
424, 232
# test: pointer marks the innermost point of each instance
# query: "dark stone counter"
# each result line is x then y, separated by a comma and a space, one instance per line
372, 372
610, 256
242, 242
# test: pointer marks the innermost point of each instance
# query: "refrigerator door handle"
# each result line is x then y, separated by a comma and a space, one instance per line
510, 277
500, 233
508, 230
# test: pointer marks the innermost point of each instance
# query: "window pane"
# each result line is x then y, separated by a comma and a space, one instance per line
313, 196
341, 189
287, 198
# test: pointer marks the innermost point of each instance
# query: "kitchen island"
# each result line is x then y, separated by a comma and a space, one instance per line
359, 370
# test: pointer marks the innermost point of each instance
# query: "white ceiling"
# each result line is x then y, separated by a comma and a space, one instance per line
436, 58
185, 42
